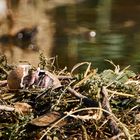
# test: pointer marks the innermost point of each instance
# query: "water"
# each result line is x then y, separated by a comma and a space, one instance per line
92, 30
117, 39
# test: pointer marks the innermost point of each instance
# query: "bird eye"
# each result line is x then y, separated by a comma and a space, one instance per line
20, 35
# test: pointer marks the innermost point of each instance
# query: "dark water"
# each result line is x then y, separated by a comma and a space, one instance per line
90, 30
117, 27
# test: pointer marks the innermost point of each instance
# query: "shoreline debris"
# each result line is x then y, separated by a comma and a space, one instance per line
88, 105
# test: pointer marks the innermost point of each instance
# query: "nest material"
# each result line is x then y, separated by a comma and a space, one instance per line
88, 105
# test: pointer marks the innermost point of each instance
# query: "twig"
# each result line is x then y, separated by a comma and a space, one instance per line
120, 93
3, 83
89, 108
112, 120
85, 117
6, 108
80, 64
106, 105
85, 79
4, 70
87, 70
117, 136
61, 77
84, 133
88, 102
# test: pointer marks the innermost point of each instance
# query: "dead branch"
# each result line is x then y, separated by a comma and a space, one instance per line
6, 108
106, 106
3, 83
88, 102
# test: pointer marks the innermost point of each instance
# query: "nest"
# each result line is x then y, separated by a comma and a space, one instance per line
87, 106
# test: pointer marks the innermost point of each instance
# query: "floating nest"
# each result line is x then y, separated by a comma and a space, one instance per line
61, 105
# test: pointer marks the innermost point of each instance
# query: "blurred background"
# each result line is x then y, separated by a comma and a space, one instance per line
73, 30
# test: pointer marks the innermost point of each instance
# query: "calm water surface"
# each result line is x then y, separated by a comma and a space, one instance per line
117, 28
92, 30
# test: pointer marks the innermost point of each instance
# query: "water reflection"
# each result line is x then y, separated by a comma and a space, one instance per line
77, 31
117, 35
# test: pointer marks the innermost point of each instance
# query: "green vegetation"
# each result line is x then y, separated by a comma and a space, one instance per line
89, 105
